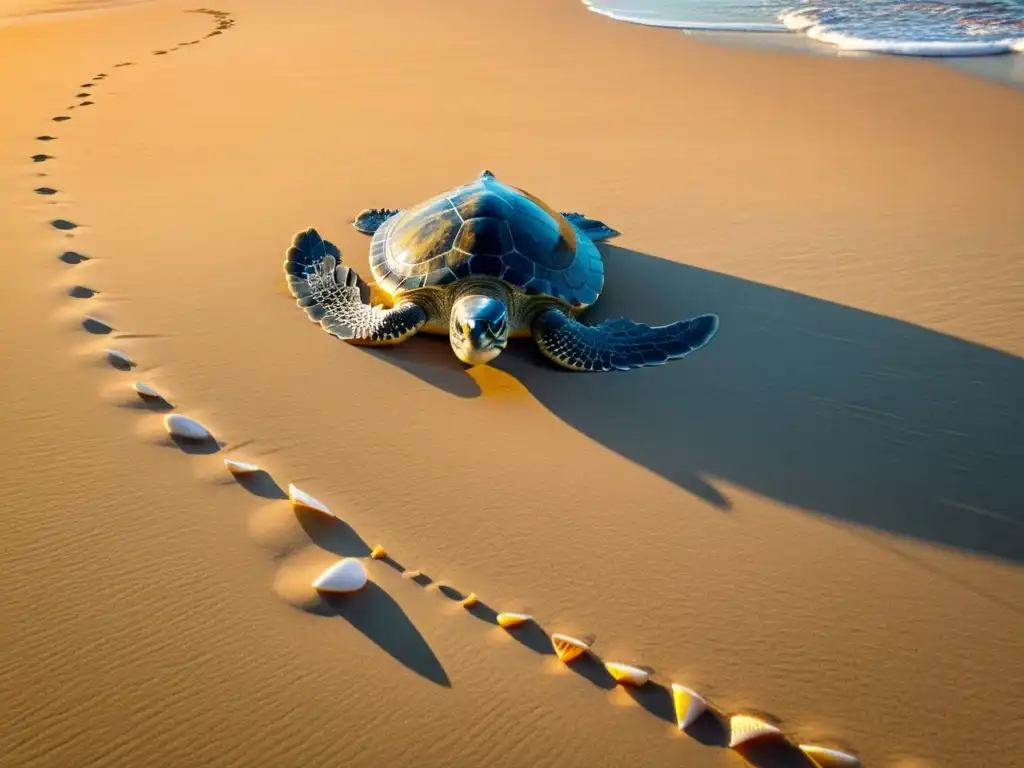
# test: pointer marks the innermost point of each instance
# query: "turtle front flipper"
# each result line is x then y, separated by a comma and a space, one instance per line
337, 298
618, 344
592, 228
369, 220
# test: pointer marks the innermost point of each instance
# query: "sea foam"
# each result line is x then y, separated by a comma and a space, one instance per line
933, 28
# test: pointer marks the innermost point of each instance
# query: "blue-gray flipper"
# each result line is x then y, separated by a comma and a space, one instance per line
337, 298
618, 344
369, 220
594, 229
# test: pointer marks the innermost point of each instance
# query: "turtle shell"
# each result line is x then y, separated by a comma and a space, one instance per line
487, 229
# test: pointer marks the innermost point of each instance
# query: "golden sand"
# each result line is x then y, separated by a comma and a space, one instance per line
817, 516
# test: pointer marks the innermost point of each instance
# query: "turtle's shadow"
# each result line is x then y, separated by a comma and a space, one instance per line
845, 413
431, 359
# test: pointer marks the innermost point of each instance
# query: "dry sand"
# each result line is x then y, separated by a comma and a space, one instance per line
818, 517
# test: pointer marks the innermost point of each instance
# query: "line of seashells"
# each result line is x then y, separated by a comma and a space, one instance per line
348, 575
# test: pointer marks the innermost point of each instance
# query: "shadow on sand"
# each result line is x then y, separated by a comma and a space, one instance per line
206, 447
376, 614
262, 484
848, 414
331, 534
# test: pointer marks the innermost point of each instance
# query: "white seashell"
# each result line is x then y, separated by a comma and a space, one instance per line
627, 673
507, 620
184, 427
744, 728
829, 758
240, 468
302, 499
346, 575
568, 648
690, 705
146, 392
119, 358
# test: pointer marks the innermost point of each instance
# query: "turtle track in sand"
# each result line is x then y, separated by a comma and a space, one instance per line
303, 540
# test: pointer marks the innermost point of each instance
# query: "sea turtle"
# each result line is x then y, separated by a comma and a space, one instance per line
480, 263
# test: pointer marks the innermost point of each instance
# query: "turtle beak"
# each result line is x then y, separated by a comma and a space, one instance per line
476, 332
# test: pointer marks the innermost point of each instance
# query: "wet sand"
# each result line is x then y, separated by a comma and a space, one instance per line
816, 518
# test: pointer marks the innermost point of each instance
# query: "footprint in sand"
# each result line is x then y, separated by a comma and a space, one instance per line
81, 292
63, 224
83, 95
41, 158
86, 103
159, 53
86, 85
45, 191
73, 257
61, 118
125, 64
46, 138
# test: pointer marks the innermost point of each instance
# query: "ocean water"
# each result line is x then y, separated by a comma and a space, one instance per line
945, 28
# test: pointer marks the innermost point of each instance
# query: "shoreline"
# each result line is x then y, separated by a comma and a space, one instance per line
1006, 68
645, 522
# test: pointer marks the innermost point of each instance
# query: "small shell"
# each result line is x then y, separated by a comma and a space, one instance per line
470, 600
744, 728
146, 392
304, 500
240, 468
830, 758
627, 674
346, 575
690, 705
119, 359
378, 553
185, 428
568, 648
508, 620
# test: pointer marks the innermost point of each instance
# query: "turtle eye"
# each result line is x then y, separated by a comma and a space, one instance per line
499, 327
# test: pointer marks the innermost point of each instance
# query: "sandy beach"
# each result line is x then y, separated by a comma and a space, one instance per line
817, 519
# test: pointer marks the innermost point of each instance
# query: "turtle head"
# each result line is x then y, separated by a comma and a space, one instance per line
478, 328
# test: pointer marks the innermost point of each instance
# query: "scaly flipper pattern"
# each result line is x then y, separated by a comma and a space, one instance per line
337, 298
618, 344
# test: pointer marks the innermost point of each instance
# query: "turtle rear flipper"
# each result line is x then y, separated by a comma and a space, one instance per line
620, 343
337, 298
369, 220
592, 228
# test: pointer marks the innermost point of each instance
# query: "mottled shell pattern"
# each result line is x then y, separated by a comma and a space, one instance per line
487, 229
